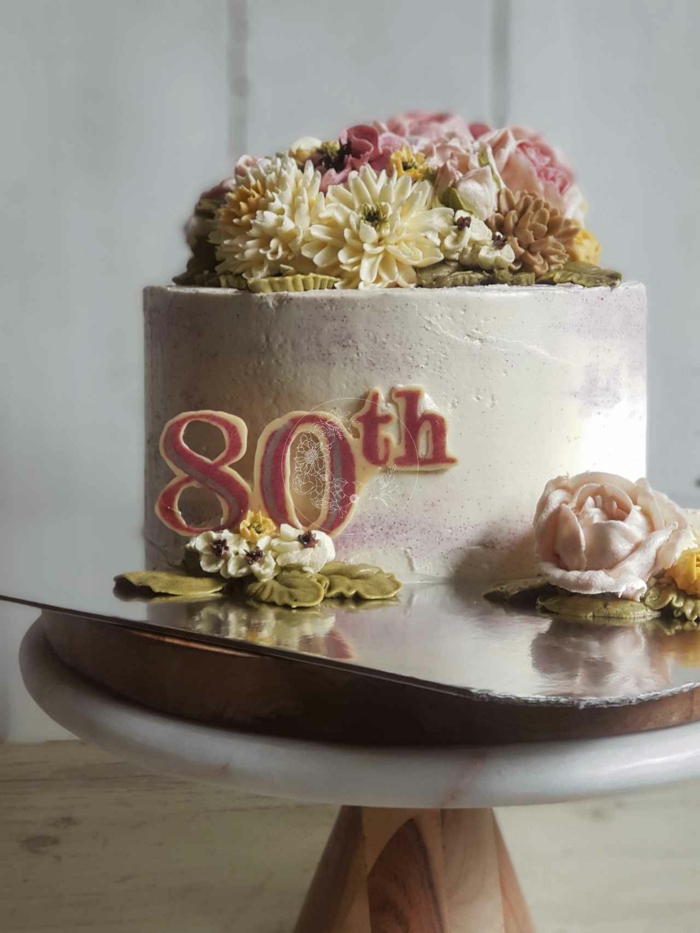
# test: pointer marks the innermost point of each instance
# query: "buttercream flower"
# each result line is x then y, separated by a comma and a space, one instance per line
585, 248
357, 146
255, 526
305, 148
444, 149
257, 559
496, 254
600, 533
377, 231
527, 163
304, 550
261, 227
686, 572
428, 125
249, 558
231, 556
476, 182
472, 244
214, 548
406, 162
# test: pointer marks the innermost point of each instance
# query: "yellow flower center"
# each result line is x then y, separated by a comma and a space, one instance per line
254, 526
686, 572
406, 162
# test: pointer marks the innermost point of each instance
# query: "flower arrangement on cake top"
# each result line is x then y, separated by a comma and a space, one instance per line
424, 199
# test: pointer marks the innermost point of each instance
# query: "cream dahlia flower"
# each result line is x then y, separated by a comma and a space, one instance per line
261, 227
377, 231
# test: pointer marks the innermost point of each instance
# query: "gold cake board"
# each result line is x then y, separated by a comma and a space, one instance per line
295, 698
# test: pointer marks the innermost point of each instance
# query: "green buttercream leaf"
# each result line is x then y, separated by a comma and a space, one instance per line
451, 198
172, 584
229, 280
292, 283
667, 596
590, 608
580, 273
291, 588
448, 274
506, 277
200, 270
362, 581
520, 592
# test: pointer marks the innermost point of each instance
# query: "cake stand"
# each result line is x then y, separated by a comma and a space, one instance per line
416, 716
416, 846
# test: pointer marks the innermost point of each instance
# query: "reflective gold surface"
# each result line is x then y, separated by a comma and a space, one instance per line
436, 634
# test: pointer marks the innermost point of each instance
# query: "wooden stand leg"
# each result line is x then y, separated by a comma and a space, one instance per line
415, 871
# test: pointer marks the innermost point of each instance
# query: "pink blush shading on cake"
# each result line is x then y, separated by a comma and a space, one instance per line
529, 382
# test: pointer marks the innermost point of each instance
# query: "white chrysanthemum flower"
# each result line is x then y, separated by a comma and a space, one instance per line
377, 231
303, 550
261, 227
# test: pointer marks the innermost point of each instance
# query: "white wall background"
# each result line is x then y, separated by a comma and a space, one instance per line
115, 115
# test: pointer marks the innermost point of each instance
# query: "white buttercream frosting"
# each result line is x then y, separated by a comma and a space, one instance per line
534, 382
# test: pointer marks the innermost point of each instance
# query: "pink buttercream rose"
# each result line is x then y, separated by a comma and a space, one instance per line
428, 125
359, 145
527, 163
600, 533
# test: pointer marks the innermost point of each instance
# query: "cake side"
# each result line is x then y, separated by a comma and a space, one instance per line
530, 382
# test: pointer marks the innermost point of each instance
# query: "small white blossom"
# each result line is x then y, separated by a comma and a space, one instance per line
493, 256
214, 549
463, 235
474, 246
232, 556
304, 550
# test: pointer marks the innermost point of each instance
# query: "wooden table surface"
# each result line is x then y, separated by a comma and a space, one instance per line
89, 843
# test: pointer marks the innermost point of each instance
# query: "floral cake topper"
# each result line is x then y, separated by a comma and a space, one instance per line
423, 199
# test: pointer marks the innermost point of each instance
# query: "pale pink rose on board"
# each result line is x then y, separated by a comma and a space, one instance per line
359, 145
527, 162
428, 125
600, 533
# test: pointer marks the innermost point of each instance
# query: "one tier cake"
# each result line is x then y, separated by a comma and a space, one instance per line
383, 347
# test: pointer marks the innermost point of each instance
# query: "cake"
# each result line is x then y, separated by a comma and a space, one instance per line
514, 385
383, 348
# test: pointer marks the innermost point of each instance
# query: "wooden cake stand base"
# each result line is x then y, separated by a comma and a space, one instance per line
415, 871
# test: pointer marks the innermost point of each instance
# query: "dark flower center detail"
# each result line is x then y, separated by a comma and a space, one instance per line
252, 557
219, 546
499, 241
462, 223
333, 156
408, 165
308, 539
374, 214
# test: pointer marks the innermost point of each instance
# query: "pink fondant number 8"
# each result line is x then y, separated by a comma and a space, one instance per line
193, 469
